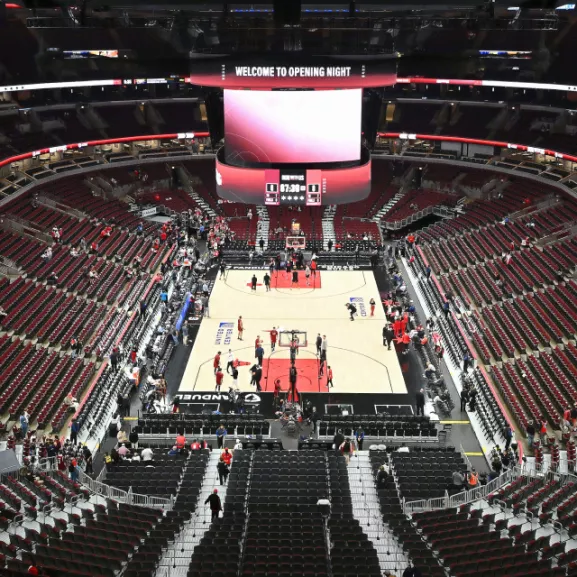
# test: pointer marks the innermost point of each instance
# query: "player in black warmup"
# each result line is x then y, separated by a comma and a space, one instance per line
295, 277
352, 309
253, 282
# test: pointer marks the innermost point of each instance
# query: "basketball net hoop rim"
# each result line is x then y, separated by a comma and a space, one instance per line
290, 333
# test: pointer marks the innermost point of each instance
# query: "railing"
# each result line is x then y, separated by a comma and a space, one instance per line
447, 502
531, 472
128, 497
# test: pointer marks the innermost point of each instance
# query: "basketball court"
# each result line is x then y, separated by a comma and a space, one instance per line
355, 352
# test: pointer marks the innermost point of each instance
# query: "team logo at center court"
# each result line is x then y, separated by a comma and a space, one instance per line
359, 302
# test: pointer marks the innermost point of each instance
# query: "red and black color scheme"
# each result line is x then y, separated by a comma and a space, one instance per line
262, 186
294, 71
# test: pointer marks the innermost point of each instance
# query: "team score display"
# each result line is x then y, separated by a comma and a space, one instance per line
293, 187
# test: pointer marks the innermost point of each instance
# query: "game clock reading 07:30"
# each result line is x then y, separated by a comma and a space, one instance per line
293, 187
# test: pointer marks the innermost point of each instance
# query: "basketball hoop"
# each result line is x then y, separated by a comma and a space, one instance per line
296, 242
286, 338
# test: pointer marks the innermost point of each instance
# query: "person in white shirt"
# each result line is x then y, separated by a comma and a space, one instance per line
237, 445
229, 361
403, 449
146, 454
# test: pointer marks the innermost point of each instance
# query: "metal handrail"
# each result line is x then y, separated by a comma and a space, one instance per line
128, 497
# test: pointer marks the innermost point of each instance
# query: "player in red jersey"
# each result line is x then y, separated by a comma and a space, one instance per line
273, 337
240, 326
219, 376
216, 362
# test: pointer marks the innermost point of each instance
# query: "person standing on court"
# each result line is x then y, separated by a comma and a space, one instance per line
266, 281
329, 377
273, 338
253, 282
258, 377
229, 360
219, 375
221, 434
324, 346
240, 326
420, 402
352, 309
295, 279
259, 354
216, 362
214, 503
319, 343
388, 336
372, 303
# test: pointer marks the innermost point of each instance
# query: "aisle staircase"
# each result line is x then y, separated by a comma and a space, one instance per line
263, 226
328, 224
366, 509
386, 208
176, 558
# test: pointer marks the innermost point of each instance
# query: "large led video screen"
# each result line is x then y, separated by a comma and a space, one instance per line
302, 126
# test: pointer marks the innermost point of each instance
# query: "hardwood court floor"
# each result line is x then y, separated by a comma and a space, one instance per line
360, 362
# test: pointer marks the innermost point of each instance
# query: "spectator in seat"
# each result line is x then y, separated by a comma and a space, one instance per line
94, 247
52, 279
403, 449
214, 502
139, 229
221, 433
382, 477
46, 255
123, 451
430, 371
71, 403
180, 441
3, 314
76, 346
146, 454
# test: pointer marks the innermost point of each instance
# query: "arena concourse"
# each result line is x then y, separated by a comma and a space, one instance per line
288, 290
